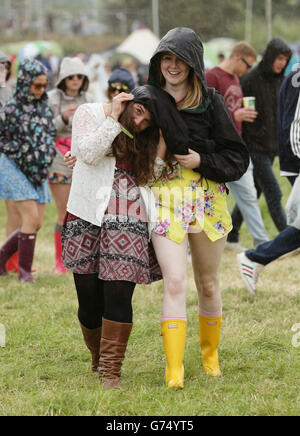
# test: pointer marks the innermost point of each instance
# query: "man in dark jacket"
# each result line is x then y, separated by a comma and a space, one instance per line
288, 127
263, 83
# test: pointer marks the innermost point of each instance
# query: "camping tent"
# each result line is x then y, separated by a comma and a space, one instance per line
215, 46
140, 44
32, 49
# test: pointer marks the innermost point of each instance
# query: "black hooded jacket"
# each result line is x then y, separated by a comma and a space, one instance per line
263, 84
212, 134
164, 111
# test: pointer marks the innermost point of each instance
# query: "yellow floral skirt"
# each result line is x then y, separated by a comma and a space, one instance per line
187, 202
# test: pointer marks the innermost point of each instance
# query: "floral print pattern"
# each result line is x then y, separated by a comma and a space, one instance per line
194, 204
27, 133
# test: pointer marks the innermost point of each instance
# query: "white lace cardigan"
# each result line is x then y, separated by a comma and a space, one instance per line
93, 174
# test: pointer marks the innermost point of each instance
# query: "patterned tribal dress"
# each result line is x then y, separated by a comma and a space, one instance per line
120, 248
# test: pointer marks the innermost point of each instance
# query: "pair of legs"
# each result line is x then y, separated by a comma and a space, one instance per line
103, 299
105, 316
22, 239
60, 192
245, 195
206, 258
266, 183
31, 214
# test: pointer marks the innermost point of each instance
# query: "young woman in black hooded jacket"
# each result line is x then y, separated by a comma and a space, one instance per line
199, 166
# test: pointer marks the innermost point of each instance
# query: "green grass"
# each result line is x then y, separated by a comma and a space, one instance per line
45, 367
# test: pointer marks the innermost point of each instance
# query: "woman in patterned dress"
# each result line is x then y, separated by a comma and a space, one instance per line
27, 137
197, 211
110, 216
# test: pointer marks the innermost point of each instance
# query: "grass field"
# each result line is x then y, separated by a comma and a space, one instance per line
45, 367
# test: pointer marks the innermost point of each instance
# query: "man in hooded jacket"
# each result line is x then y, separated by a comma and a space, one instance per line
263, 83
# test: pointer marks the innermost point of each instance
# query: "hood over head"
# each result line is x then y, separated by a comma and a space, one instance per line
3, 59
275, 47
122, 75
29, 70
162, 107
184, 43
70, 67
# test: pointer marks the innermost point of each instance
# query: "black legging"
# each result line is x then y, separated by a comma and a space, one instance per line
98, 298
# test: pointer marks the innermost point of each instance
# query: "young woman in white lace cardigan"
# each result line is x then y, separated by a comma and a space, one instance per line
110, 216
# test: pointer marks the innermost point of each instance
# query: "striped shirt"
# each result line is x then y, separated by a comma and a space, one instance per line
295, 131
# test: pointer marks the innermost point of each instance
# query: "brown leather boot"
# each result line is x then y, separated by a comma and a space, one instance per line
92, 340
114, 341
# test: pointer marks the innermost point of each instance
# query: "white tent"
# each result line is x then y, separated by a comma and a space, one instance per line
140, 44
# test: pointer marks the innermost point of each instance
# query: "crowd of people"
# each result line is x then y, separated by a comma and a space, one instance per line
143, 175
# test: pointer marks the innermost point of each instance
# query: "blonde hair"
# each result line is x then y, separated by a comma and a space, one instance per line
244, 49
193, 98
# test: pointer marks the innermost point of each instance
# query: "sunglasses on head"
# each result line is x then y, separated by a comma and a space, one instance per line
40, 85
247, 64
120, 88
79, 76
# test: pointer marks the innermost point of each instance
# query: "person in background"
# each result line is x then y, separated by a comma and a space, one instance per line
263, 83
226, 79
120, 80
13, 218
252, 262
69, 93
27, 137
5, 71
288, 127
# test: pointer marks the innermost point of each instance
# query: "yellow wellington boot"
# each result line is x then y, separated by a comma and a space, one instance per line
210, 329
174, 334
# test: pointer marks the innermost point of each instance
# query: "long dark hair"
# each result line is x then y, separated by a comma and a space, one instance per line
139, 152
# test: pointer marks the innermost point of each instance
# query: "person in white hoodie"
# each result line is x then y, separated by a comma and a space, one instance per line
69, 93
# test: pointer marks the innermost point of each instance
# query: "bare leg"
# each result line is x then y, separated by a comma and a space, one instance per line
60, 193
32, 215
172, 258
206, 257
13, 217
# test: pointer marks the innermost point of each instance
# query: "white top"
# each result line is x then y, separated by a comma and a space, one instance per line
93, 174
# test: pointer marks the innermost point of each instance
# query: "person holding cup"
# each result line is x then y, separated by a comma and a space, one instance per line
225, 78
